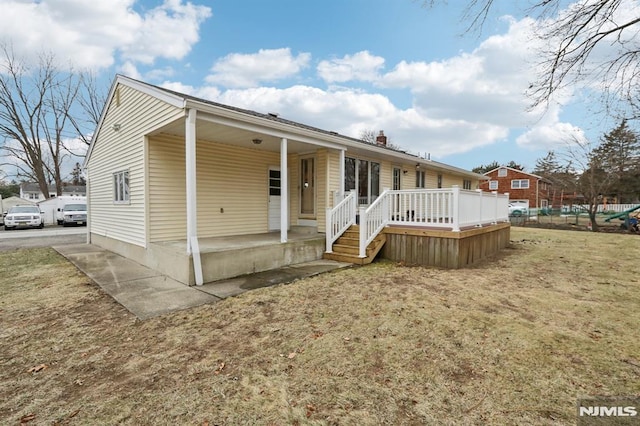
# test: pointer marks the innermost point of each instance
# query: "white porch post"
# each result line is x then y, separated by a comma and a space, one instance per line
341, 174
456, 208
192, 216
284, 192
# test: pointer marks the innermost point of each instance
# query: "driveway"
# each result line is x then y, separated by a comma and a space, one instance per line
47, 237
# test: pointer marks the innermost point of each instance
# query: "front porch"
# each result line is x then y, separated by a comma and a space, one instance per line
232, 256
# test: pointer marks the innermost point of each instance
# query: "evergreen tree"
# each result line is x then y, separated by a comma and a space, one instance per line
618, 155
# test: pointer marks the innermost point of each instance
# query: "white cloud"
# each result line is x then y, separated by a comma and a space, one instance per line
90, 34
239, 70
555, 136
349, 112
359, 66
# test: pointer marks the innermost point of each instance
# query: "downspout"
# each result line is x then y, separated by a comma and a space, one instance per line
88, 200
341, 197
193, 247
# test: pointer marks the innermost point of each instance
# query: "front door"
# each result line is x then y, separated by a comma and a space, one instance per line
274, 198
307, 188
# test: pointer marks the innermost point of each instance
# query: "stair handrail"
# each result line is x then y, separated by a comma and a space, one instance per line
372, 220
340, 218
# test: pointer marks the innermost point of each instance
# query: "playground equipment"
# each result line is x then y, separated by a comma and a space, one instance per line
629, 222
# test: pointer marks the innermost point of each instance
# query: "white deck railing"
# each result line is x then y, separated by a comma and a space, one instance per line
340, 218
450, 208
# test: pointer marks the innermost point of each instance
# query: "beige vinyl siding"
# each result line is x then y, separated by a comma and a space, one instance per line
431, 179
322, 169
167, 189
294, 188
123, 150
235, 180
333, 176
408, 180
232, 189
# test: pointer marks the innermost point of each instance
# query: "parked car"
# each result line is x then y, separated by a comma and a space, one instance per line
517, 209
23, 217
74, 214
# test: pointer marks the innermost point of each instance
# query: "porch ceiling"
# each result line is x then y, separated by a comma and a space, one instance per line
221, 133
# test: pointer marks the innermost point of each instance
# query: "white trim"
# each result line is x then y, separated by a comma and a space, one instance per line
341, 168
267, 130
190, 168
284, 192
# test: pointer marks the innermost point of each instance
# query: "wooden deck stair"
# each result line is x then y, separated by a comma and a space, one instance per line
346, 248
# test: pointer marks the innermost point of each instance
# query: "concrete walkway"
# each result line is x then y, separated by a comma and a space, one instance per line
146, 293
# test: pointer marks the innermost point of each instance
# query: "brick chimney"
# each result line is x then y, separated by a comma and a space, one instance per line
381, 139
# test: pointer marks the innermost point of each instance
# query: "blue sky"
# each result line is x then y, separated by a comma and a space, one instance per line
341, 65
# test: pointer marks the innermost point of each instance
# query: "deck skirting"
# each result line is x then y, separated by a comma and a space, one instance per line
441, 248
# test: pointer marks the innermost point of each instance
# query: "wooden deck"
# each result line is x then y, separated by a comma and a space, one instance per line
443, 248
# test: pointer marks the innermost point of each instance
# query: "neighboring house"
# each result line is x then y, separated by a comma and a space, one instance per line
7, 203
31, 191
169, 174
522, 187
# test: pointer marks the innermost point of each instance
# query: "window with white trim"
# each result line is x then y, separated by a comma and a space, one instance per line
493, 185
364, 177
466, 184
121, 187
520, 184
502, 172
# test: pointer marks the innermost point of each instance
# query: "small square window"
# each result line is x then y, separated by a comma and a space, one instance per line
466, 184
493, 185
502, 172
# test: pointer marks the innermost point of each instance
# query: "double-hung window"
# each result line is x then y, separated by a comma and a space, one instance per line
493, 185
121, 187
520, 184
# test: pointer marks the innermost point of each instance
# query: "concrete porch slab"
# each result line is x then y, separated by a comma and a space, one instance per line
235, 286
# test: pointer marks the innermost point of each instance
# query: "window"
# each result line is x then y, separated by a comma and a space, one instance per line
439, 180
502, 172
364, 177
419, 179
466, 184
493, 185
33, 196
397, 172
274, 182
121, 187
520, 184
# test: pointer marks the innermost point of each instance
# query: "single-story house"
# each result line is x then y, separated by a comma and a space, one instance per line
203, 191
31, 191
7, 203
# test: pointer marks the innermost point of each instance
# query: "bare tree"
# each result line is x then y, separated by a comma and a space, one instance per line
39, 106
369, 136
574, 37
91, 101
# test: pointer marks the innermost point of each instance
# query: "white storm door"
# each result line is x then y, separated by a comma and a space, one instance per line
274, 199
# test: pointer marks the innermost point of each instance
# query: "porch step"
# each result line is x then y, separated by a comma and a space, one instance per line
346, 248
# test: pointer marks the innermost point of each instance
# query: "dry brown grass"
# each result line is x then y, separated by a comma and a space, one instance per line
512, 341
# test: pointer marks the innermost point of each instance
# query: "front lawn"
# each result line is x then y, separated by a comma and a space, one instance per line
515, 340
